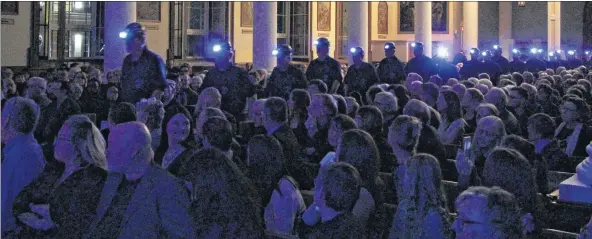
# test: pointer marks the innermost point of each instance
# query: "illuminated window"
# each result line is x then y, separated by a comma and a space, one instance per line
292, 28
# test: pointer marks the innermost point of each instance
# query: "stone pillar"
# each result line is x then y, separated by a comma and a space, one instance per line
264, 34
423, 26
505, 28
471, 25
357, 27
117, 16
554, 25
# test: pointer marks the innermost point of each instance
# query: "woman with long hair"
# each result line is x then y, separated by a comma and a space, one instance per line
452, 124
176, 140
421, 212
297, 106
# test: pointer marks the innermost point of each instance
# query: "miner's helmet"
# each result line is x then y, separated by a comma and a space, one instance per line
322, 42
224, 46
475, 51
282, 51
132, 31
355, 51
390, 46
417, 45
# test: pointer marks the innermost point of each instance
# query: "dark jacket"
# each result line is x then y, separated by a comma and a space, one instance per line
327, 71
342, 226
139, 79
429, 143
423, 65
360, 79
187, 96
281, 83
390, 65
68, 108
235, 87
290, 146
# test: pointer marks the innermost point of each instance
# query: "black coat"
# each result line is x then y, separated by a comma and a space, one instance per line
139, 79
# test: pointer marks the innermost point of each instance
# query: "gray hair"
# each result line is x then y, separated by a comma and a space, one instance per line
23, 114
151, 112
88, 140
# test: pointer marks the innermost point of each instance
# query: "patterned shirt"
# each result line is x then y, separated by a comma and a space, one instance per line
281, 83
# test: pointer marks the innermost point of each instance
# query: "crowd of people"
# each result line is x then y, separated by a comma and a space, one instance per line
151, 152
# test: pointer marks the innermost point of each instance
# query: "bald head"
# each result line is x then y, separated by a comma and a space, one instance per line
129, 147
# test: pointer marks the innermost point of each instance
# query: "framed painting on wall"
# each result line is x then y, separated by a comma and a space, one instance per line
382, 18
10, 8
148, 11
324, 16
439, 17
246, 14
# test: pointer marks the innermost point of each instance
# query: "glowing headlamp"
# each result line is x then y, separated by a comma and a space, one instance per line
442, 52
217, 48
316, 42
571, 52
484, 53
533, 50
587, 53
413, 44
472, 51
551, 53
123, 35
352, 50
515, 51
558, 51
540, 50
386, 47
274, 52
495, 47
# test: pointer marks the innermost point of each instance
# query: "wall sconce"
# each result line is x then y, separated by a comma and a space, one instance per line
521, 3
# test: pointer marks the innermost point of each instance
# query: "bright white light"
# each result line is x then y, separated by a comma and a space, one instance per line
386, 47
587, 52
515, 50
540, 50
551, 54
123, 35
558, 51
442, 52
77, 45
571, 52
495, 47
472, 51
533, 50
78, 5
316, 43
484, 53
217, 48
274, 52
413, 44
352, 50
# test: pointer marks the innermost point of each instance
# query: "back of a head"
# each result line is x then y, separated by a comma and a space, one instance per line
417, 109
409, 129
359, 149
436, 80
389, 98
88, 140
341, 186
320, 85
341, 104
122, 112
265, 164
475, 95
497, 97
423, 179
129, 145
21, 113
371, 120
371, 93
151, 112
276, 109
519, 144
484, 76
431, 89
543, 124
301, 98
218, 132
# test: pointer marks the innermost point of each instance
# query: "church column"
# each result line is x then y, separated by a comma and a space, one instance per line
471, 25
264, 34
554, 25
117, 16
423, 25
505, 28
357, 16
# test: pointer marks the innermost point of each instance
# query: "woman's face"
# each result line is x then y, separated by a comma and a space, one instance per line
178, 128
64, 147
79, 79
569, 112
112, 94
487, 134
441, 103
311, 126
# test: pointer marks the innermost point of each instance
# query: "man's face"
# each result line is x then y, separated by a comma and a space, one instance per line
79, 79
133, 44
316, 108
418, 51
112, 94
569, 112
195, 83
258, 115
487, 135
357, 58
389, 52
472, 220
8, 86
516, 100
62, 75
93, 87
54, 88
184, 81
322, 51
185, 71
36, 88
169, 91
283, 60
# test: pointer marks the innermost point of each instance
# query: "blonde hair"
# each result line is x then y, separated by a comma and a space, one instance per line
88, 140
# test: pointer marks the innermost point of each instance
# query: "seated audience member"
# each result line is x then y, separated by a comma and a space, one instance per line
371, 93
201, 119
421, 212
76, 92
539, 165
498, 97
80, 78
224, 202
195, 82
452, 82
64, 108
469, 103
80, 168
217, 133
151, 113
339, 124
337, 190
387, 104
437, 80
532, 106
460, 89
518, 105
297, 105
487, 213
573, 133
541, 130
316, 87
484, 110
370, 120
546, 101
186, 95
119, 113
136, 185
320, 112
429, 140
482, 88
8, 90
275, 117
403, 137
92, 101
176, 141
509, 170
430, 94
352, 106
489, 134
36, 88
341, 104
256, 115
402, 97
452, 125
111, 99
22, 157
278, 191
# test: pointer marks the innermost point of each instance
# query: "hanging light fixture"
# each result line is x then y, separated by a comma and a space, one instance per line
521, 3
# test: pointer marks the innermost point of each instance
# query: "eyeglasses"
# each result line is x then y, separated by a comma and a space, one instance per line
564, 108
487, 133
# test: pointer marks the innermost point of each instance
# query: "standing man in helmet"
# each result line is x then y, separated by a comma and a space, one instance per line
473, 67
421, 64
231, 81
361, 75
445, 69
285, 77
534, 64
491, 68
143, 71
325, 68
517, 65
500, 60
390, 69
